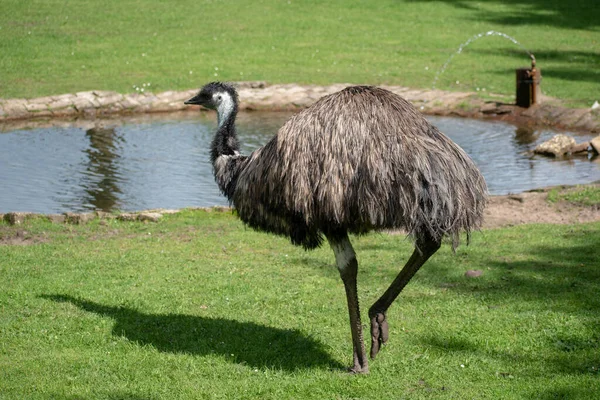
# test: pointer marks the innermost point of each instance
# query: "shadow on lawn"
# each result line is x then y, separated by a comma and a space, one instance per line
560, 362
563, 279
558, 268
575, 14
240, 342
568, 65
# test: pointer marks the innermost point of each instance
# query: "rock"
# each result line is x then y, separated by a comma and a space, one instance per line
81, 103
127, 217
558, 146
36, 107
129, 103
57, 218
104, 215
62, 101
586, 123
108, 98
41, 100
16, 218
168, 211
78, 219
595, 143
516, 197
15, 108
251, 84
173, 97
489, 108
62, 112
149, 216
580, 148
104, 93
473, 273
89, 96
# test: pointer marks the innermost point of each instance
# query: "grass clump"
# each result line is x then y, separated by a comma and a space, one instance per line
588, 195
197, 306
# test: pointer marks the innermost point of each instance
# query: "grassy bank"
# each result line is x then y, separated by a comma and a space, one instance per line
585, 195
52, 47
197, 306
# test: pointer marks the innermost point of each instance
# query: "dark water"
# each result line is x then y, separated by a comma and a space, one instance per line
136, 165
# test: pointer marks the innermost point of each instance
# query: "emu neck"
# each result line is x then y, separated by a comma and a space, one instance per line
227, 111
225, 142
226, 159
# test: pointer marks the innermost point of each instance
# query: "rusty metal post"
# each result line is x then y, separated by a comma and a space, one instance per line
528, 85
536, 91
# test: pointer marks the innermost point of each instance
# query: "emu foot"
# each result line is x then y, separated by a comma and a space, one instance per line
379, 333
357, 369
361, 363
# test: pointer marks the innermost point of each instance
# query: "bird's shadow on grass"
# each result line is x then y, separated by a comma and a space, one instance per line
244, 343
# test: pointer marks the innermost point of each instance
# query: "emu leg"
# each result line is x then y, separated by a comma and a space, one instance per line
379, 325
348, 267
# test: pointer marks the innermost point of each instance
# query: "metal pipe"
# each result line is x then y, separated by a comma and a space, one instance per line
528, 84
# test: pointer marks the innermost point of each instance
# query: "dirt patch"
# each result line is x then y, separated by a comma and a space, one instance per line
19, 237
533, 207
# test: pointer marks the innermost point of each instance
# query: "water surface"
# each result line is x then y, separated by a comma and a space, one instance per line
136, 165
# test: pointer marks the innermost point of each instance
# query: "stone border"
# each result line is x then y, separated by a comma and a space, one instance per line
280, 97
18, 218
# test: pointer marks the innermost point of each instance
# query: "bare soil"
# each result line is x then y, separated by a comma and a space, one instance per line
9, 236
533, 207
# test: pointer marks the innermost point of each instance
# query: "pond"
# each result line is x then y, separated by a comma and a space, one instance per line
163, 162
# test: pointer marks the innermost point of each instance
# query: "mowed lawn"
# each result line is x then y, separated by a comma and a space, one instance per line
51, 47
197, 306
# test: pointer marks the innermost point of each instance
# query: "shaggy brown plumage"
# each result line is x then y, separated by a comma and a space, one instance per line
361, 159
358, 160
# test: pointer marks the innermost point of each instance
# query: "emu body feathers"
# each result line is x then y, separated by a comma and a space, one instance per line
361, 159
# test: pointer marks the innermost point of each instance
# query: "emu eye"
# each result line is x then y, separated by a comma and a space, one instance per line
219, 97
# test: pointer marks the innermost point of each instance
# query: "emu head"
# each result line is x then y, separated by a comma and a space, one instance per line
216, 96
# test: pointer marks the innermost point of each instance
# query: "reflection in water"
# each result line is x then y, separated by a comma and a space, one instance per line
524, 140
503, 154
102, 167
526, 136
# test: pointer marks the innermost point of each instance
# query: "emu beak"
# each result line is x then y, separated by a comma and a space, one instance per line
194, 100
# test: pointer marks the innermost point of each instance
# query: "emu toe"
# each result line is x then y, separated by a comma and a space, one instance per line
379, 333
358, 369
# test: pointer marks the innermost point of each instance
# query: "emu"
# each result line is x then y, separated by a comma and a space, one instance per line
359, 160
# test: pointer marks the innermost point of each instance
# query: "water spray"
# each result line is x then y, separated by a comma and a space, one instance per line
528, 79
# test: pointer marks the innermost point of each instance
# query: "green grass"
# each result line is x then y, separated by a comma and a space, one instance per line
580, 195
196, 306
51, 47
